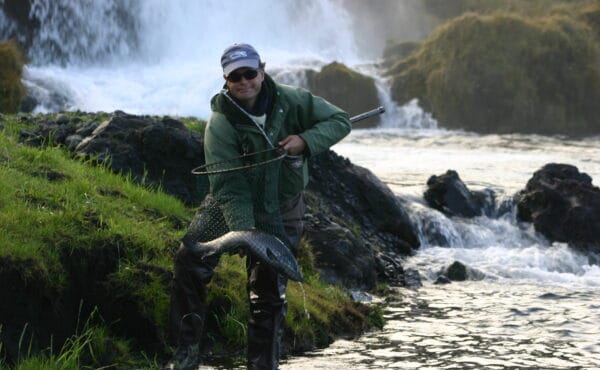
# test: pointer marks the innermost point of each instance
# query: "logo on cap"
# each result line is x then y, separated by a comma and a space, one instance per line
238, 54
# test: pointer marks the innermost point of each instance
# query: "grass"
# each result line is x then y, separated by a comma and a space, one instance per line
85, 349
73, 233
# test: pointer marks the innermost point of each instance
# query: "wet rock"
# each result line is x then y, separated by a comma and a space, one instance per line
441, 280
449, 195
359, 296
72, 141
563, 205
353, 193
412, 279
350, 196
48, 132
340, 257
153, 152
28, 104
457, 271
87, 129
62, 119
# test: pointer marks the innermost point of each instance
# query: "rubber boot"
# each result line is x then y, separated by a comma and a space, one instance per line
187, 309
268, 308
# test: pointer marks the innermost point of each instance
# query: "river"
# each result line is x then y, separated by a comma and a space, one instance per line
531, 304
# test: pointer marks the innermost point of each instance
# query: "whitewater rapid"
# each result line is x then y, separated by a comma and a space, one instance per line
501, 248
528, 303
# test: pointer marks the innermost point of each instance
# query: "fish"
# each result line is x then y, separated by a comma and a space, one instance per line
266, 247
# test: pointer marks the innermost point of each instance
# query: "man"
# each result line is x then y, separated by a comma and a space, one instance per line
252, 114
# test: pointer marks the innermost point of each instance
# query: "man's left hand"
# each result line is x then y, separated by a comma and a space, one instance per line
293, 144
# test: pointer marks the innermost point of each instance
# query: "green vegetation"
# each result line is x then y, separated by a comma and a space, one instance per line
11, 70
78, 241
446, 9
505, 73
348, 89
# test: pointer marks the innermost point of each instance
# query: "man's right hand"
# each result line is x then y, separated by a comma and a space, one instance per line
293, 144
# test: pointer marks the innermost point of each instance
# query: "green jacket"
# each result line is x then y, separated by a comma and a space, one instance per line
230, 133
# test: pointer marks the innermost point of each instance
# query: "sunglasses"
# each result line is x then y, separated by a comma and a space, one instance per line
248, 74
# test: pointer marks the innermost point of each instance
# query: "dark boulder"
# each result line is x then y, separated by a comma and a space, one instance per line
358, 193
158, 153
442, 280
563, 205
352, 197
449, 195
341, 257
49, 132
457, 272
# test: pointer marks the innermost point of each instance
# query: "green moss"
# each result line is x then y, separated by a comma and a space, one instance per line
505, 73
375, 317
149, 286
11, 71
446, 9
591, 17
193, 123
348, 89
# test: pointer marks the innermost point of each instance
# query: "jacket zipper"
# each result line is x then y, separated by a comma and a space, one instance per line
262, 131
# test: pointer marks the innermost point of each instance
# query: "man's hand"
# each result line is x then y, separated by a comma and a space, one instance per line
293, 144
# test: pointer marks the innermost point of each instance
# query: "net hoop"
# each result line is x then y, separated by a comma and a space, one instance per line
205, 169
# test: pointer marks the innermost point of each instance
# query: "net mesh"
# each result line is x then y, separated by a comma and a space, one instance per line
259, 174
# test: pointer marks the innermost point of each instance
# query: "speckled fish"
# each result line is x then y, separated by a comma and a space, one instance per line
267, 248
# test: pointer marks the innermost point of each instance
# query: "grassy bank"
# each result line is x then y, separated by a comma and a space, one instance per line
86, 260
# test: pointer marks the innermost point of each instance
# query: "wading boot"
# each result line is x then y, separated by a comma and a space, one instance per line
186, 357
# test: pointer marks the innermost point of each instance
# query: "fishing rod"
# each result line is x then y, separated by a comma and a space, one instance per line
203, 170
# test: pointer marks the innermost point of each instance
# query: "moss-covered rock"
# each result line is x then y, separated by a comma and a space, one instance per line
348, 89
504, 73
11, 70
447, 9
400, 50
591, 16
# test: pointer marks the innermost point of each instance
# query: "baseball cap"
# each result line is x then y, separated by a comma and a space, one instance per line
238, 56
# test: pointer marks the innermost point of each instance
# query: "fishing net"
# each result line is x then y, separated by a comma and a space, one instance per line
254, 172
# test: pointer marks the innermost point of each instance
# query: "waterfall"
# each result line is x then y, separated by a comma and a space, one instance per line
159, 57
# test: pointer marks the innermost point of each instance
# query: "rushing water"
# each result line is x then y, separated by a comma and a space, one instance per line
529, 304
475, 325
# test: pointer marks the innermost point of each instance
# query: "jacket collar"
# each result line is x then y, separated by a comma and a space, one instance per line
234, 112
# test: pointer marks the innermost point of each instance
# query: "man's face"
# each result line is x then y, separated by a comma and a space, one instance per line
244, 84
